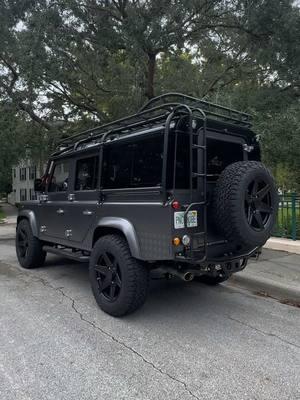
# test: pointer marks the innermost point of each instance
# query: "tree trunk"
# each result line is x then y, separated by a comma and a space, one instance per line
150, 75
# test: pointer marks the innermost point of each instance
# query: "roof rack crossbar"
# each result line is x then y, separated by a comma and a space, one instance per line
207, 106
150, 115
121, 123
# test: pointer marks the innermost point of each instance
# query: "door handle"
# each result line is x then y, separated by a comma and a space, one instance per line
60, 211
87, 212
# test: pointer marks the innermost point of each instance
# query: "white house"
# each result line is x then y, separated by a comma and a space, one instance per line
23, 176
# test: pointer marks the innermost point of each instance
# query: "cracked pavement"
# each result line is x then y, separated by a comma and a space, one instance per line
189, 341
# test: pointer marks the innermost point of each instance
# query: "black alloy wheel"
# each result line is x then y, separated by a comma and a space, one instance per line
109, 276
119, 281
22, 242
244, 205
29, 248
258, 204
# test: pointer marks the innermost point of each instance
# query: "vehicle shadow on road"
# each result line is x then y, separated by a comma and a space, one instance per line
167, 297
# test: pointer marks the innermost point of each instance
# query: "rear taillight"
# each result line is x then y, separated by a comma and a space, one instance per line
176, 205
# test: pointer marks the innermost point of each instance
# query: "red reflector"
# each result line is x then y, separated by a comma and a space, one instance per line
176, 205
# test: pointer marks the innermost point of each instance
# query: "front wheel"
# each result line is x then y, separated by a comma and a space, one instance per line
119, 281
29, 249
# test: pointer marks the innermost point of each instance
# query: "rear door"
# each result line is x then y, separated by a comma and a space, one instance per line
84, 196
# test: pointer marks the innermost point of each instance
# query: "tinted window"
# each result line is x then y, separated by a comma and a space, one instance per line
60, 177
180, 143
220, 154
87, 173
137, 164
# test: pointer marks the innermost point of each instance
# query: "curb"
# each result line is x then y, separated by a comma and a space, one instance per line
291, 246
277, 290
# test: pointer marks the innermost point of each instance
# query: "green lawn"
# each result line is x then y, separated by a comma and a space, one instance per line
284, 225
2, 215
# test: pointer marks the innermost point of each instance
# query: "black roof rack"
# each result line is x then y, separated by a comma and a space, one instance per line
210, 109
152, 114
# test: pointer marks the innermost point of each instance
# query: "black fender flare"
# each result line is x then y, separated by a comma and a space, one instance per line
126, 228
30, 216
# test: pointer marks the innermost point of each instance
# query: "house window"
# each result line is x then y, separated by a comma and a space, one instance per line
14, 172
32, 194
22, 174
32, 173
23, 194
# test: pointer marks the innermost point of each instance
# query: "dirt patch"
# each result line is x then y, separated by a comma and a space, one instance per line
287, 302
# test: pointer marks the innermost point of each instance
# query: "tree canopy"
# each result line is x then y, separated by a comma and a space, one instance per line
68, 64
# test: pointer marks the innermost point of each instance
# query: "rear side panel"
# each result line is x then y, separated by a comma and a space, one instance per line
150, 218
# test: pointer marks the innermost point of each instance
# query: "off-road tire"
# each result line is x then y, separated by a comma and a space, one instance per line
33, 256
134, 277
228, 205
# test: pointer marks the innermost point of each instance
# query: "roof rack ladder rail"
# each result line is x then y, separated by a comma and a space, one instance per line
169, 119
201, 173
101, 156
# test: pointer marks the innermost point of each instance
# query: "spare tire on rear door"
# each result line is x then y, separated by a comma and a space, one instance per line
245, 203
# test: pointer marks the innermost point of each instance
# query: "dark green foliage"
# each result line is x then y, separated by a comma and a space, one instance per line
67, 65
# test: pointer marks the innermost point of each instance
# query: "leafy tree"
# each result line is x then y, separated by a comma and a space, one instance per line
66, 65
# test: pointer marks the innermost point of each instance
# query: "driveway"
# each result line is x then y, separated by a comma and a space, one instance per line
189, 341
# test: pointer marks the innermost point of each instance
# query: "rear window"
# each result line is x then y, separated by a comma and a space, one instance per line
220, 154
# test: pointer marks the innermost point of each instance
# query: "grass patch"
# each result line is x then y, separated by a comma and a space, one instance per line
2, 215
285, 223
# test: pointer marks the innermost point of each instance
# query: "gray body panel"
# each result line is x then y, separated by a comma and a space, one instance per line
140, 214
146, 225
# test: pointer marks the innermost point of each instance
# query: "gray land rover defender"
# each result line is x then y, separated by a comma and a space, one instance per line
178, 187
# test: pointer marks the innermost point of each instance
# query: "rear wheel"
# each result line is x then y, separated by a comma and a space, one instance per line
29, 249
119, 281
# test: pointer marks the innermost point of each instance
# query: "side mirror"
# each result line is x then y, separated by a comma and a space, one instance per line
39, 185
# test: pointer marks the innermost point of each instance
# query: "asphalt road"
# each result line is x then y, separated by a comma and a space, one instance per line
189, 341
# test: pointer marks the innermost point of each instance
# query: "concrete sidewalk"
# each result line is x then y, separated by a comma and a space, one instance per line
275, 274
292, 246
10, 212
7, 231
8, 228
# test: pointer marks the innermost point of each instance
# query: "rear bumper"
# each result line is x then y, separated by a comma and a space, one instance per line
227, 264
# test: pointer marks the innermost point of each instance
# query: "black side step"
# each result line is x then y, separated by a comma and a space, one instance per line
67, 253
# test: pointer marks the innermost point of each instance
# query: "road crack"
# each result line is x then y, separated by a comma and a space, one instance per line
116, 340
262, 332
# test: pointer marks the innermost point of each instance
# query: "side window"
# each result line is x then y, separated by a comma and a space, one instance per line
87, 173
60, 177
129, 165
